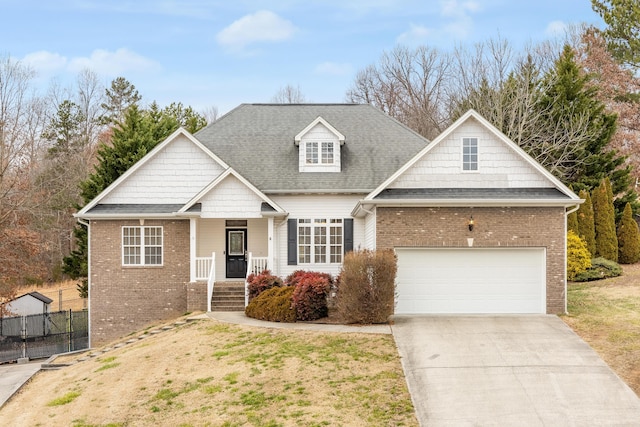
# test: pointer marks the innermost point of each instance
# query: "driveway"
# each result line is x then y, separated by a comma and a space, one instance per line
508, 370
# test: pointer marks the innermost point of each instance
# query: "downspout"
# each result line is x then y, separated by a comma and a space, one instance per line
88, 225
566, 295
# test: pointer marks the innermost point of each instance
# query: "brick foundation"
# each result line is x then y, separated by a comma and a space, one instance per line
126, 299
494, 227
197, 296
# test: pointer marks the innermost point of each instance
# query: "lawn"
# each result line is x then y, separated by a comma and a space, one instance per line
606, 314
207, 373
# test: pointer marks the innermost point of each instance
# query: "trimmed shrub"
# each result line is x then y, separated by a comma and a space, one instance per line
578, 257
274, 305
367, 287
310, 295
601, 268
586, 229
294, 278
572, 222
258, 283
628, 238
604, 222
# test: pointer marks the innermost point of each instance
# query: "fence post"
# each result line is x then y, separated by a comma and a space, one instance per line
69, 329
60, 299
24, 336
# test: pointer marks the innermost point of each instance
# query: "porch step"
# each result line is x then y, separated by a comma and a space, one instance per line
228, 296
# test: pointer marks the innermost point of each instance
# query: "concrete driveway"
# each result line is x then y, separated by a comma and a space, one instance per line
508, 371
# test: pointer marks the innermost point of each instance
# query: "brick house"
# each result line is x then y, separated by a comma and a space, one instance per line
478, 226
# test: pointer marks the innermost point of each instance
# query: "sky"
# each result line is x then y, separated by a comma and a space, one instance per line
210, 53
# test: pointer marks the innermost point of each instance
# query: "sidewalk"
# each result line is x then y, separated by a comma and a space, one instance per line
14, 376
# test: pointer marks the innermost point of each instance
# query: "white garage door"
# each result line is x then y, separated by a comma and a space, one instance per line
471, 280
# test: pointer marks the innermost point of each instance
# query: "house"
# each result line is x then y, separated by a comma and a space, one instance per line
478, 226
30, 303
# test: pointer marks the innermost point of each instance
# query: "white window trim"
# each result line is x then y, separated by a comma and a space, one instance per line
319, 145
326, 225
142, 245
477, 169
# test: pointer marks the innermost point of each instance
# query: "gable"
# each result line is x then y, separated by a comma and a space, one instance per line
499, 166
172, 176
230, 198
319, 150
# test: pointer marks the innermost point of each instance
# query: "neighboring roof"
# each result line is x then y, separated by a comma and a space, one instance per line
472, 193
37, 295
257, 140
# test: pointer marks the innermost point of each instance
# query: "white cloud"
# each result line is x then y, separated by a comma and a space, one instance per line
334, 68
113, 63
415, 35
262, 26
45, 62
460, 13
555, 28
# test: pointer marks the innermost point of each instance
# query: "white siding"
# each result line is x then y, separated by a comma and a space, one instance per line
174, 175
231, 199
314, 206
26, 305
498, 165
211, 237
319, 133
370, 230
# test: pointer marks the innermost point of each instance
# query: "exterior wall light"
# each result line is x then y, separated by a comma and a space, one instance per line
471, 223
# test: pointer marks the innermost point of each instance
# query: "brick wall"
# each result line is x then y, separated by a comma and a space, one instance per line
126, 299
197, 296
494, 227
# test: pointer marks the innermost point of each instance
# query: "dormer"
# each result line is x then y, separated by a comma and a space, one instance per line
319, 147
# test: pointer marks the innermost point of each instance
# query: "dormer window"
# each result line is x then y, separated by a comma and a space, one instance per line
319, 147
325, 150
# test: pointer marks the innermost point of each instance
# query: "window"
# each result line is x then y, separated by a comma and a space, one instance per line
325, 156
141, 245
320, 241
469, 154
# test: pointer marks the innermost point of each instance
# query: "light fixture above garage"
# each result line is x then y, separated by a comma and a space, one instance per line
471, 223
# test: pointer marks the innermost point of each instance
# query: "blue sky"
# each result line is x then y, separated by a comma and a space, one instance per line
223, 53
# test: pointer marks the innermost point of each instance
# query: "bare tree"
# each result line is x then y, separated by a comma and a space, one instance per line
210, 114
289, 95
409, 85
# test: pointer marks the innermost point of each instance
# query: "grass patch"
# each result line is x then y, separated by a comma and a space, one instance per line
64, 400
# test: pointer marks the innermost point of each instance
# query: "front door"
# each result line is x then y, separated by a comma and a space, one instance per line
236, 249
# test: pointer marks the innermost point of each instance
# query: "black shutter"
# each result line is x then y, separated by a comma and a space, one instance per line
348, 235
292, 242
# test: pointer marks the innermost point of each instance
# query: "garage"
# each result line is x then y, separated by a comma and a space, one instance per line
471, 280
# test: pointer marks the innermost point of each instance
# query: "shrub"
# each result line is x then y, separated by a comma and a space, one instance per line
585, 222
367, 286
258, 283
628, 238
578, 257
605, 221
274, 305
601, 268
310, 295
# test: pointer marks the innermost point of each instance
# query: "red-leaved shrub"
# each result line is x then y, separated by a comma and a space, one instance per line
310, 295
258, 283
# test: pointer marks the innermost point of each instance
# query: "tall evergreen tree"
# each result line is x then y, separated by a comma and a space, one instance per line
586, 229
628, 238
604, 222
572, 222
120, 96
623, 28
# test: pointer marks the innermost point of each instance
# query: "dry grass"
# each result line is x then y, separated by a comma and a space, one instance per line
207, 373
606, 314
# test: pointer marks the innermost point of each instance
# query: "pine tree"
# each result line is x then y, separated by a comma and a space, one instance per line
628, 238
604, 222
572, 222
120, 96
586, 229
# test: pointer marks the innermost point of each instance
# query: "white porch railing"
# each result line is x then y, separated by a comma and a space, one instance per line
211, 279
203, 267
255, 265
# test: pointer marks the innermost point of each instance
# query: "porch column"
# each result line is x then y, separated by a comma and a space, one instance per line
192, 248
271, 245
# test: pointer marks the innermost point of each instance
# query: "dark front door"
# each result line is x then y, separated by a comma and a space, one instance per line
236, 248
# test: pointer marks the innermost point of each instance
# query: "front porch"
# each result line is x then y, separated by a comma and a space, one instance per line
223, 253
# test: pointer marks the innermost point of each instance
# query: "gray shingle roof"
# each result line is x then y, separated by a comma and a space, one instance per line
257, 140
473, 193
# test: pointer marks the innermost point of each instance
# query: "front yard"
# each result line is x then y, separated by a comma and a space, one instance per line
606, 314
